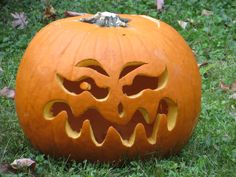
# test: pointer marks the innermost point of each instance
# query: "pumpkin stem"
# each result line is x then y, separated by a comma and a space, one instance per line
106, 19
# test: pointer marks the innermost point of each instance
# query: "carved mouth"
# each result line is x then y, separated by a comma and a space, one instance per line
99, 125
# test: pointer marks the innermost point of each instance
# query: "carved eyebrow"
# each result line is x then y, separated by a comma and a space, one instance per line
92, 64
129, 67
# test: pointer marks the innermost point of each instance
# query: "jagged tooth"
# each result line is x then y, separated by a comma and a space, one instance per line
87, 131
112, 136
172, 117
139, 134
145, 115
152, 115
160, 120
70, 132
112, 141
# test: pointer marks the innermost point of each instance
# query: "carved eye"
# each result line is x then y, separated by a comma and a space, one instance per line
144, 82
129, 67
139, 84
86, 83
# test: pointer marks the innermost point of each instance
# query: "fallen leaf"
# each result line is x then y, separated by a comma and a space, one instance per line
20, 20
49, 12
72, 14
223, 86
233, 96
183, 24
160, 4
5, 168
7, 92
202, 64
206, 12
23, 163
233, 86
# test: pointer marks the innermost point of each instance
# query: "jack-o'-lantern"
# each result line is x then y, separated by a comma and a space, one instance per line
103, 88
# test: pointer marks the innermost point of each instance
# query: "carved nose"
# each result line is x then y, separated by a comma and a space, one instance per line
120, 110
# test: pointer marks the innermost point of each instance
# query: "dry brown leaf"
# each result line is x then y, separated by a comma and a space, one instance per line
72, 14
23, 163
202, 64
49, 12
233, 86
223, 86
18, 164
5, 168
20, 20
160, 4
183, 24
7, 92
206, 12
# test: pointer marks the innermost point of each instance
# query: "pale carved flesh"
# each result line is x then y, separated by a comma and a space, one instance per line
100, 124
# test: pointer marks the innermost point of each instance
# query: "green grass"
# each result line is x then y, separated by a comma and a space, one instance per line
211, 150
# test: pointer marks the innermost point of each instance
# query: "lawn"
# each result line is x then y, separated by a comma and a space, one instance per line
211, 151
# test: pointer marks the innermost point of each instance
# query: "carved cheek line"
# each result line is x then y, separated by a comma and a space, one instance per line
81, 85
143, 82
129, 67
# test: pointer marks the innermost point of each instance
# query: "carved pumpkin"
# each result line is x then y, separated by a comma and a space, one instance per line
104, 93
